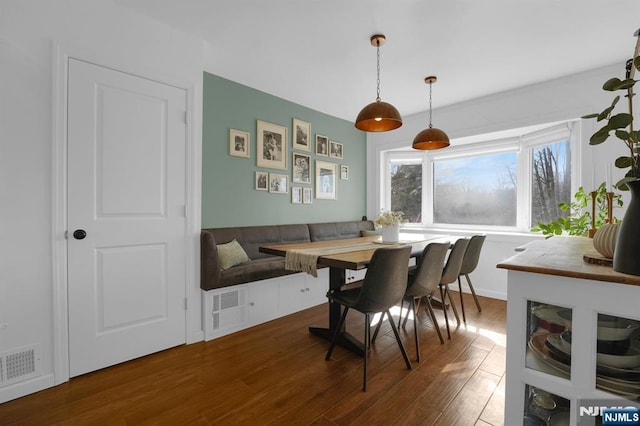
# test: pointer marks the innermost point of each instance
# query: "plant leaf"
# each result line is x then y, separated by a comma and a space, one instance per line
605, 114
625, 84
615, 100
623, 134
636, 62
594, 115
600, 136
611, 84
623, 162
620, 121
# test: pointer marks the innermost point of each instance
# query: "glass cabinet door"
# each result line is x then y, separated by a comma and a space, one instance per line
618, 356
549, 339
543, 408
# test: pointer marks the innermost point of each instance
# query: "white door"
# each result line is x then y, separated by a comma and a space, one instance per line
126, 216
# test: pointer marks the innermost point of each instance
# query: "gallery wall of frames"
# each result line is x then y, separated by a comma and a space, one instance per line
303, 166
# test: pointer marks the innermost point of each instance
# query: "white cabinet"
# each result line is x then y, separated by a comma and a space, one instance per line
554, 329
261, 301
301, 291
352, 276
234, 308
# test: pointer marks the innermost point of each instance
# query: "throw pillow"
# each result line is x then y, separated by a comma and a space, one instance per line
231, 254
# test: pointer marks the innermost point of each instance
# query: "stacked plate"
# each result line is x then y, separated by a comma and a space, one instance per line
617, 374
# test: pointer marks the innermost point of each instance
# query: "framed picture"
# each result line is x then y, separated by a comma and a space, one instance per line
344, 172
301, 168
278, 184
239, 143
296, 195
271, 146
262, 178
325, 180
335, 150
301, 135
306, 196
322, 145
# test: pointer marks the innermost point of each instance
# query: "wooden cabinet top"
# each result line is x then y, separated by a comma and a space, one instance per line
563, 256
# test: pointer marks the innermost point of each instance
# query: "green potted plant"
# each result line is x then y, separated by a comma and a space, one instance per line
578, 220
620, 125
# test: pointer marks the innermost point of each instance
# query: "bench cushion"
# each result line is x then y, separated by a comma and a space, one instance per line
256, 270
338, 230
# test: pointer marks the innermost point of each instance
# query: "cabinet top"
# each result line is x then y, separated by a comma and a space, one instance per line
563, 256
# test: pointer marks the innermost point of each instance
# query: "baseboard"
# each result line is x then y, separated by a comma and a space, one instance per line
27, 387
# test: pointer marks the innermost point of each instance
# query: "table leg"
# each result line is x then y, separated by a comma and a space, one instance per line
344, 339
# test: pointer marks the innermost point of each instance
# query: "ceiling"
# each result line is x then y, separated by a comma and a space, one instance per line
317, 52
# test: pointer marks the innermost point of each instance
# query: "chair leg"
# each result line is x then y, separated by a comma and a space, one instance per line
444, 309
404, 323
335, 334
453, 304
367, 334
429, 309
395, 332
473, 292
415, 326
375, 333
464, 317
400, 318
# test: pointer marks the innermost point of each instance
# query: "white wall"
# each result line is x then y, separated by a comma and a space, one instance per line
97, 32
552, 101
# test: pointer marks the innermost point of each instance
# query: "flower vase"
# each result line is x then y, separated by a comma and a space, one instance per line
625, 258
604, 240
391, 234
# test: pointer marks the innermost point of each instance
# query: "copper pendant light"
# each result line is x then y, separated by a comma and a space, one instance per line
430, 138
378, 116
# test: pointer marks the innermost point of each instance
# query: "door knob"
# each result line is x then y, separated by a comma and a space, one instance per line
79, 234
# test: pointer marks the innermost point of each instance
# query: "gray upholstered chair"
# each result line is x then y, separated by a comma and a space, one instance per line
423, 281
383, 287
450, 274
469, 264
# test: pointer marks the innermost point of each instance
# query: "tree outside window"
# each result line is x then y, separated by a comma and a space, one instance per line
406, 190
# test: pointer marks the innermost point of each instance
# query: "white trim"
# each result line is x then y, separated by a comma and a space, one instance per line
26, 387
59, 217
194, 327
193, 314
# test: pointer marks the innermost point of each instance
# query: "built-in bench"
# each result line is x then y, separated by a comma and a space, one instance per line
261, 266
259, 288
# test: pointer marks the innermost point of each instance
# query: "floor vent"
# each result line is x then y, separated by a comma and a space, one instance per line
19, 364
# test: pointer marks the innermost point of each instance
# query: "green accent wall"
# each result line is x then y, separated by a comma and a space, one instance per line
229, 197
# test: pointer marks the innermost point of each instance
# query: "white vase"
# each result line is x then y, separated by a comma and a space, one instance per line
604, 240
391, 234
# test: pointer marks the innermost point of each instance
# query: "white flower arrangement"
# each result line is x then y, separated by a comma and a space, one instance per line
389, 218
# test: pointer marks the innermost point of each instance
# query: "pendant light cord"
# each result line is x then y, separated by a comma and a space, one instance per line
430, 110
378, 81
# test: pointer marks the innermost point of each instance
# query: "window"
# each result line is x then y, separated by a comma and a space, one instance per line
406, 189
507, 184
551, 180
476, 190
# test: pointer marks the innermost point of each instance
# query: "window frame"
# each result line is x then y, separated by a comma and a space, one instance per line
522, 142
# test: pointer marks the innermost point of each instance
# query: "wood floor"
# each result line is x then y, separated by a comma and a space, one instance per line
275, 374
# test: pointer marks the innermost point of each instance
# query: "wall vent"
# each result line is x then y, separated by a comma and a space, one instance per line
228, 309
19, 364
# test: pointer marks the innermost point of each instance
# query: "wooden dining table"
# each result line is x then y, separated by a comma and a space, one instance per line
353, 259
